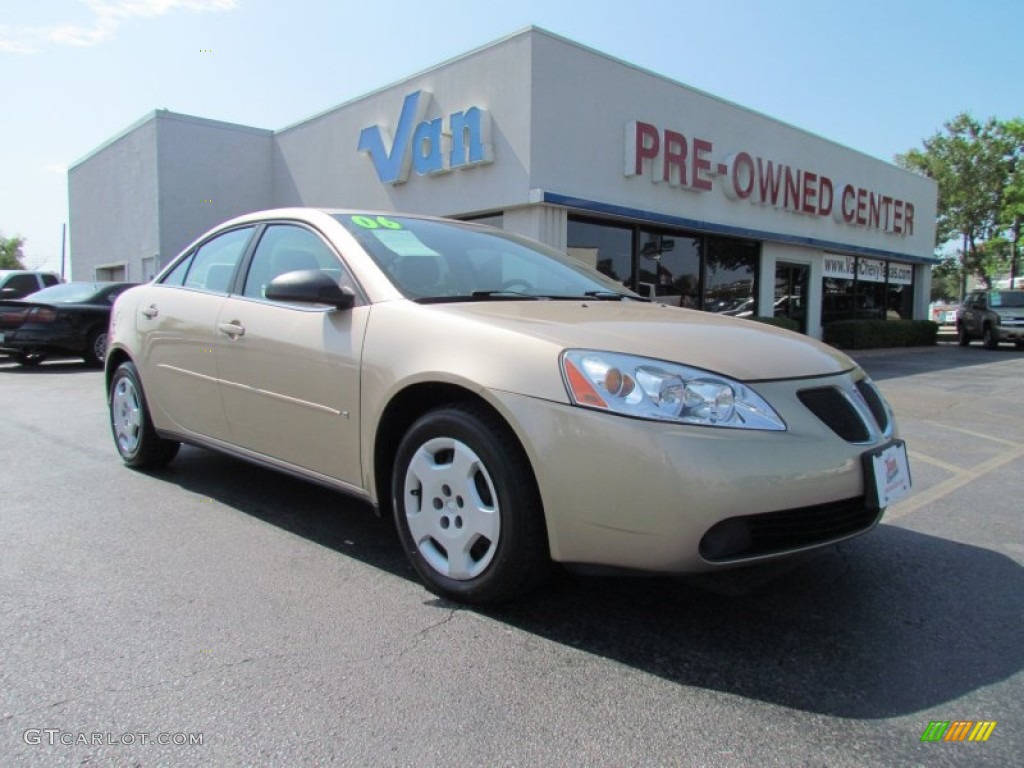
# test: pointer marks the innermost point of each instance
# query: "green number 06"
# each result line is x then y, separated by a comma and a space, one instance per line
374, 223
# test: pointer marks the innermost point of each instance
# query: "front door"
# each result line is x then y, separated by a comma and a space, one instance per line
791, 282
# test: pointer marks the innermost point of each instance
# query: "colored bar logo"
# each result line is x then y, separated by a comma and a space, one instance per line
958, 730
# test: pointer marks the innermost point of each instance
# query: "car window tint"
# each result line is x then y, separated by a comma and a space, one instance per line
214, 263
23, 284
50, 280
287, 248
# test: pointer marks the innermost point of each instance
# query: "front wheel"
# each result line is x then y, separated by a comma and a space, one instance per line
467, 507
136, 439
96, 349
989, 339
961, 336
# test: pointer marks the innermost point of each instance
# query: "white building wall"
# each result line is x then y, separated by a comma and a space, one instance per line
584, 101
209, 172
114, 216
317, 162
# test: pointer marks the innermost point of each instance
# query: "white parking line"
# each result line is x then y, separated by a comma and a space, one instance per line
961, 478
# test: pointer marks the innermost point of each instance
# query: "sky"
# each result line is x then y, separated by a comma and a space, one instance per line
876, 76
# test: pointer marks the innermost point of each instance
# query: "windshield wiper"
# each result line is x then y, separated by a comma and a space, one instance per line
503, 293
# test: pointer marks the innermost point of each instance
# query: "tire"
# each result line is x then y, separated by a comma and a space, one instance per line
989, 338
467, 507
136, 439
962, 338
96, 349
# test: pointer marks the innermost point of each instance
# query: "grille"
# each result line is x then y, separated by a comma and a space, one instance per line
739, 538
837, 412
874, 400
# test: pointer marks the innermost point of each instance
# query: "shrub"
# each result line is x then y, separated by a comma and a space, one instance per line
870, 334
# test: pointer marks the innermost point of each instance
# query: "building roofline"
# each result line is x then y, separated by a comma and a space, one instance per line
166, 114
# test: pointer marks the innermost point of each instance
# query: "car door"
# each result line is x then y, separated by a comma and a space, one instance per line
974, 313
290, 372
177, 320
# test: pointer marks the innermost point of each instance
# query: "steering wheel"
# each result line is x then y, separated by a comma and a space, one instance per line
516, 283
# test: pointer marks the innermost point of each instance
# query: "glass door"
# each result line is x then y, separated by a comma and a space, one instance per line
791, 292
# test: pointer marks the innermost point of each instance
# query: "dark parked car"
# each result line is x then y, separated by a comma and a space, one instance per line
70, 319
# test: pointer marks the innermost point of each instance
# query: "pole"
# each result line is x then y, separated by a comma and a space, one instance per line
63, 244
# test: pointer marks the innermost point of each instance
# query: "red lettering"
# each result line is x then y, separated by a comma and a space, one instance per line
809, 193
701, 164
862, 206
674, 165
792, 194
768, 181
873, 209
897, 217
908, 215
743, 170
647, 146
849, 214
824, 186
886, 207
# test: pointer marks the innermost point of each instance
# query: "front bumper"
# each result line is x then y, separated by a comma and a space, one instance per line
644, 495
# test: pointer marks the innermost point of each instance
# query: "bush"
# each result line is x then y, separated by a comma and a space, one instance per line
778, 322
871, 334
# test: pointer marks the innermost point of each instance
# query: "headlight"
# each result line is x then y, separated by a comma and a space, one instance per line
653, 389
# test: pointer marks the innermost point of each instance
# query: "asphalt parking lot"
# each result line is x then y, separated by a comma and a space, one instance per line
279, 623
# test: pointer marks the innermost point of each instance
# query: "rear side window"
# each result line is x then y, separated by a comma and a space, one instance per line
211, 266
49, 280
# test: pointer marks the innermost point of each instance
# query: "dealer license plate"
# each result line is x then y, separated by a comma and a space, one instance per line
886, 474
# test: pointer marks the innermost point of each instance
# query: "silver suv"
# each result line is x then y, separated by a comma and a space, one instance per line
991, 316
16, 283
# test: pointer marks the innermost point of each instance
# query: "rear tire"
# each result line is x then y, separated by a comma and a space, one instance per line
136, 439
96, 350
467, 507
989, 339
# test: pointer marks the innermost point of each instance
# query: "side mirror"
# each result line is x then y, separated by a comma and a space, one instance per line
310, 286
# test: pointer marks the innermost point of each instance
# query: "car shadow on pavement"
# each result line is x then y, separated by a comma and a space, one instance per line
883, 364
888, 624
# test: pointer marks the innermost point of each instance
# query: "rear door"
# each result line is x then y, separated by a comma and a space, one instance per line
290, 372
177, 320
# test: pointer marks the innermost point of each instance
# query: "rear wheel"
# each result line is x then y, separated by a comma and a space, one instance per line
136, 439
989, 338
467, 507
961, 336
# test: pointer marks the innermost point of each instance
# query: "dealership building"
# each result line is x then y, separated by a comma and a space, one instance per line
682, 196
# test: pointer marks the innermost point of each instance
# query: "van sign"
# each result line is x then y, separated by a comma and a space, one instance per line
428, 147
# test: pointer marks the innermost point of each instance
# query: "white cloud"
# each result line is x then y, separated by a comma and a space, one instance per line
107, 18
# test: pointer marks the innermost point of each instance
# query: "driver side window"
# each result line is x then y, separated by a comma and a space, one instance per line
287, 248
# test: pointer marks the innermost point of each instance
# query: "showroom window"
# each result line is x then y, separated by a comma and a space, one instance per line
607, 248
683, 269
861, 288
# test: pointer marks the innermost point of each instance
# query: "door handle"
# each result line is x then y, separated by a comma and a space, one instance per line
234, 330
151, 311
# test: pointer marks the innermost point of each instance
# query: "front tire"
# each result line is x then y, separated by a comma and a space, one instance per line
136, 439
467, 507
963, 339
989, 339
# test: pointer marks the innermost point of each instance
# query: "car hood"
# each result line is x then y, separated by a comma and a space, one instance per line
742, 349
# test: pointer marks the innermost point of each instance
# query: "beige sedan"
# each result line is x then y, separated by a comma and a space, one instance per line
511, 407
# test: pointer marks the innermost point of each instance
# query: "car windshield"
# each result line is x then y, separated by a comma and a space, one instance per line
66, 293
450, 261
1006, 299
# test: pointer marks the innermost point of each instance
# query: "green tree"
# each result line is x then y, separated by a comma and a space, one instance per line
11, 254
946, 280
972, 163
1012, 214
